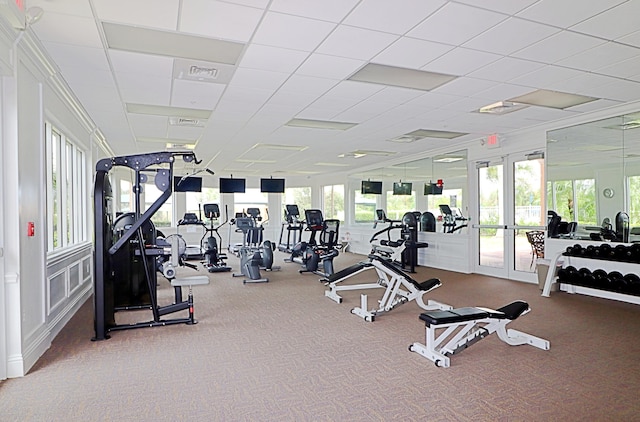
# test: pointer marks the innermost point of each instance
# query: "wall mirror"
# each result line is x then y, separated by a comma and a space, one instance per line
593, 171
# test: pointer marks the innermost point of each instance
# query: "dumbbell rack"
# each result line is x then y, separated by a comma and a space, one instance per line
606, 270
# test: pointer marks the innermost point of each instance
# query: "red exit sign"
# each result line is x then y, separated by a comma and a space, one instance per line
493, 141
20, 4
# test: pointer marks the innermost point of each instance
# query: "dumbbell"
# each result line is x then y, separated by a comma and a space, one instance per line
565, 275
606, 251
616, 281
586, 278
622, 252
633, 284
601, 279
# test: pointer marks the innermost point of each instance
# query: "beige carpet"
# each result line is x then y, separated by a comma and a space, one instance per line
281, 351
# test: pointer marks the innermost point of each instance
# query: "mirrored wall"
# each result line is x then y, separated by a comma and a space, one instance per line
593, 171
450, 168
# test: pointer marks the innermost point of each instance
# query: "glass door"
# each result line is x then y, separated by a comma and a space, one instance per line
510, 203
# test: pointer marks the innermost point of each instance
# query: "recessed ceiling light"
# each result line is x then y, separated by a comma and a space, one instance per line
553, 99
404, 139
428, 133
401, 77
156, 110
501, 107
171, 44
331, 164
319, 124
166, 140
245, 160
447, 159
277, 147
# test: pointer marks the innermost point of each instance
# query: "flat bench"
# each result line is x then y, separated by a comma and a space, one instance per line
451, 331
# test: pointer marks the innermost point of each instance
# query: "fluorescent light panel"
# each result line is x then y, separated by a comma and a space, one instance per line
501, 107
166, 140
277, 147
171, 44
443, 134
320, 124
553, 99
401, 77
156, 110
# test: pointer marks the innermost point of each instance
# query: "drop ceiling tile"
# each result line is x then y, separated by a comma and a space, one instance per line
501, 92
511, 35
620, 90
148, 13
324, 66
89, 58
460, 61
411, 53
261, 79
623, 69
279, 30
558, 46
80, 76
353, 90
308, 85
465, 86
140, 89
326, 10
68, 7
566, 13
631, 39
142, 64
433, 100
375, 14
456, 23
614, 23
181, 132
607, 54
219, 19
148, 126
68, 29
505, 69
355, 43
336, 104
98, 98
191, 94
275, 59
395, 95
508, 7
546, 76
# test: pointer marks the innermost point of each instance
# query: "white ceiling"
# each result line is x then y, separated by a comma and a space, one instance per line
295, 60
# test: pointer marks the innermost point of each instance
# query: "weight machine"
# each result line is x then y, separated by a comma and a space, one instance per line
128, 255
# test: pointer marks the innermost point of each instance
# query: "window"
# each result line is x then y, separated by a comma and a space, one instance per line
195, 200
252, 198
297, 196
573, 200
398, 205
162, 217
126, 196
333, 204
365, 207
66, 191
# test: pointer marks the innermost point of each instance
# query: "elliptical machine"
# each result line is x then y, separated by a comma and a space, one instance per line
255, 254
214, 261
293, 226
316, 255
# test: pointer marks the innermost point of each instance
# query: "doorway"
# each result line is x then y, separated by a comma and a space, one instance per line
510, 203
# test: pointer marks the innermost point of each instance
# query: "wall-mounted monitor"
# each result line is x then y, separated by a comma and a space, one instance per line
272, 185
402, 188
368, 186
432, 189
187, 184
230, 185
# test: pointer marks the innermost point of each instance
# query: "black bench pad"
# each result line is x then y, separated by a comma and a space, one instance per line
429, 284
455, 315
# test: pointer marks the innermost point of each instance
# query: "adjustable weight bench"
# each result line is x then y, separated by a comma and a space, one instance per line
399, 287
450, 332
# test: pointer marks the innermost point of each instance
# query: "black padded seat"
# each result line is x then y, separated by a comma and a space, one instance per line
514, 309
455, 315
429, 284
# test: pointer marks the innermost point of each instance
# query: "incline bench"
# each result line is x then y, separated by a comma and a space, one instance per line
462, 327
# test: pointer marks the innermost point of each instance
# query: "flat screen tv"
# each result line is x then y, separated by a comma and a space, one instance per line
432, 189
187, 184
402, 188
272, 185
229, 185
371, 187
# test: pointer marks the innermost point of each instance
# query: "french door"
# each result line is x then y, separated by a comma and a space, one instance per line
511, 198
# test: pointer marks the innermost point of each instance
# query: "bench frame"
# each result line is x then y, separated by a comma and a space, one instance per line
449, 338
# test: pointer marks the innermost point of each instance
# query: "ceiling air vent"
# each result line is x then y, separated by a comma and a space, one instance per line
200, 72
185, 121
